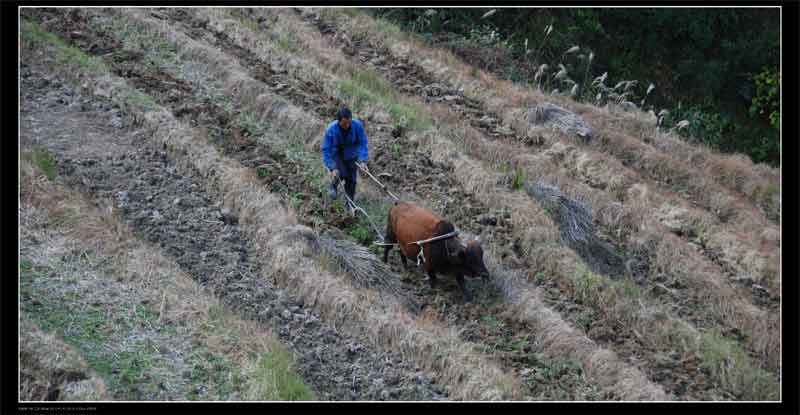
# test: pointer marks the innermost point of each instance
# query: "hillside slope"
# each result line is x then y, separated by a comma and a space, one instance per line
189, 139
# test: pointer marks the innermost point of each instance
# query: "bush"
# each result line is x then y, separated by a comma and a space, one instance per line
705, 126
767, 103
722, 132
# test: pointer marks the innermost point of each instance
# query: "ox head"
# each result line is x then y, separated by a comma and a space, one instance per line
471, 258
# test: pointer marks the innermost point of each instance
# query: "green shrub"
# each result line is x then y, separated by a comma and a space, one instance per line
767, 103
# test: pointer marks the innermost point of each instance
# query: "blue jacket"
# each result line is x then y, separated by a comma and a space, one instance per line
350, 146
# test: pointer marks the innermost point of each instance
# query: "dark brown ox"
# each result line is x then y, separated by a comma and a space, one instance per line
409, 223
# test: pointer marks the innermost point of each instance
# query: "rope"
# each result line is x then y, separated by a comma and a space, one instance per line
421, 256
381, 185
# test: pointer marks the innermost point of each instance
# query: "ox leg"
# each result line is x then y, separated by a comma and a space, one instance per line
464, 291
386, 250
432, 278
390, 239
404, 260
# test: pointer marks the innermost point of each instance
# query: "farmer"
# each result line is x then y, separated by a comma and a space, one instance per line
344, 150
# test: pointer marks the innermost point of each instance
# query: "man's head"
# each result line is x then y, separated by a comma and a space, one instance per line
344, 116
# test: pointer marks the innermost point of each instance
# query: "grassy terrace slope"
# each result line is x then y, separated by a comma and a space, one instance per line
222, 110
231, 30
290, 114
107, 316
731, 233
583, 349
722, 253
340, 305
335, 62
758, 183
740, 245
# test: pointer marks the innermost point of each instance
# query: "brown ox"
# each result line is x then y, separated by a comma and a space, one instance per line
408, 223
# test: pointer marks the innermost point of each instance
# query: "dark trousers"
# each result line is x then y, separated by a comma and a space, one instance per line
348, 171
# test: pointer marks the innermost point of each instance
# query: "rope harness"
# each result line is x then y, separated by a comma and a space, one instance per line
420, 256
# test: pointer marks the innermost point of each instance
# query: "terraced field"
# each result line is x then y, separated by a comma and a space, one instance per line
177, 241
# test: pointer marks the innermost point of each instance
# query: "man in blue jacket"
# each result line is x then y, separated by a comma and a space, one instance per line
344, 150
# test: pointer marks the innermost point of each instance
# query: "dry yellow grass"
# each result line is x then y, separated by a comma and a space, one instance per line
753, 254
389, 325
611, 373
539, 239
559, 339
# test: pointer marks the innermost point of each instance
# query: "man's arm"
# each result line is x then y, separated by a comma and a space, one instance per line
363, 148
328, 150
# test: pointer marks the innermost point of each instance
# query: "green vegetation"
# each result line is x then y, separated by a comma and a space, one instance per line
287, 43
519, 178
724, 82
36, 37
361, 233
277, 381
139, 99
586, 286
366, 87
90, 329
514, 173
767, 100
251, 123
396, 149
124, 342
244, 20
74, 59
43, 160
556, 368
520, 345
493, 321
727, 363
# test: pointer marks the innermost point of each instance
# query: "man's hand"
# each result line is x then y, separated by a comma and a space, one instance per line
363, 166
334, 173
